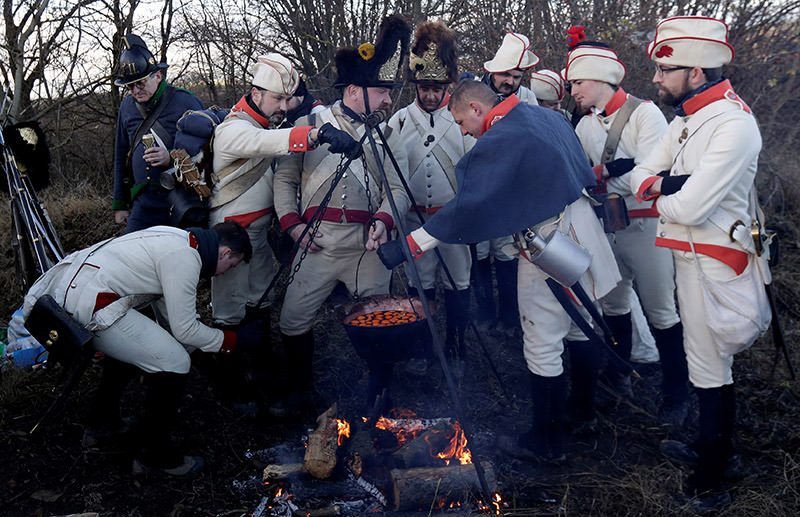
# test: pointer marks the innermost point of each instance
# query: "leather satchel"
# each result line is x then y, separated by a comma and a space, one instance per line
64, 338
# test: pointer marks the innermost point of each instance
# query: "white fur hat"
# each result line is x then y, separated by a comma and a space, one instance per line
547, 85
691, 41
513, 53
276, 74
594, 63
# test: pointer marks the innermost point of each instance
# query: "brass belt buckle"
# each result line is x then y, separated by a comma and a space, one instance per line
738, 223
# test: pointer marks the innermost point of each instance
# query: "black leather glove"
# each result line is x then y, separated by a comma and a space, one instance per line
391, 254
671, 184
339, 141
251, 337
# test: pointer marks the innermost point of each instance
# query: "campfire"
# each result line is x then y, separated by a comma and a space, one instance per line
396, 463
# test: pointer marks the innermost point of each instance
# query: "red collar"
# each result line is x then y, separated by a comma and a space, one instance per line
498, 112
616, 101
243, 106
723, 90
444, 103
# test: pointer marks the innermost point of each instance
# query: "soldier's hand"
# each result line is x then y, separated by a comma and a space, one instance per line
391, 254
377, 235
339, 141
121, 216
157, 157
297, 230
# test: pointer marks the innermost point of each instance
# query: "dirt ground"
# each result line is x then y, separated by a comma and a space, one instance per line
618, 471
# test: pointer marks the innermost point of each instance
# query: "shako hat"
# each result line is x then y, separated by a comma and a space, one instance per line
433, 57
377, 64
691, 41
513, 53
136, 61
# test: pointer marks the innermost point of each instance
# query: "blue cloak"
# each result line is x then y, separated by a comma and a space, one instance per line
522, 171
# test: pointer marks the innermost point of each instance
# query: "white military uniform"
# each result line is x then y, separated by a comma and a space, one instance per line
244, 151
634, 247
345, 222
435, 144
717, 144
103, 286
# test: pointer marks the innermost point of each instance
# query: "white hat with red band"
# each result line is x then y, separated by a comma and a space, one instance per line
547, 85
691, 41
594, 63
513, 53
275, 73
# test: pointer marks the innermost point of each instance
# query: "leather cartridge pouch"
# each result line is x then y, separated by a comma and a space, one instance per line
615, 213
64, 338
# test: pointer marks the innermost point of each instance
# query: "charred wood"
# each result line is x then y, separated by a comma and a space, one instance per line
419, 488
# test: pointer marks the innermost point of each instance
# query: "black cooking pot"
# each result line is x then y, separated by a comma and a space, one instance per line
392, 343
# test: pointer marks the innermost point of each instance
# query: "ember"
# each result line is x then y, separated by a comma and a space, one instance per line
384, 318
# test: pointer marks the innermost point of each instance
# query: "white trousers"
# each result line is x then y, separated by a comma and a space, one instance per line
140, 341
244, 285
646, 266
707, 369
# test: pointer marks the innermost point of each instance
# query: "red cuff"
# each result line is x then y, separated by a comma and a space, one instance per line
228, 342
646, 184
598, 172
386, 219
289, 220
298, 139
416, 251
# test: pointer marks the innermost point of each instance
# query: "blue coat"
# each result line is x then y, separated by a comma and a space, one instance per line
127, 122
524, 169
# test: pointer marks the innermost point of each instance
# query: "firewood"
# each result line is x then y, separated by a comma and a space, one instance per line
320, 458
419, 488
277, 472
417, 453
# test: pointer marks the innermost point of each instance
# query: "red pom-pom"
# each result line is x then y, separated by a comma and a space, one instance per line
575, 35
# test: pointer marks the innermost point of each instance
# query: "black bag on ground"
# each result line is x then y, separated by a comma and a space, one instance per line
64, 338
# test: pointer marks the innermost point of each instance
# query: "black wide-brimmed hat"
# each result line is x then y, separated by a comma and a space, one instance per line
378, 64
136, 62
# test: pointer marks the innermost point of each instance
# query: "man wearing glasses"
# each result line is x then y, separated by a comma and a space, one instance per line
146, 128
710, 156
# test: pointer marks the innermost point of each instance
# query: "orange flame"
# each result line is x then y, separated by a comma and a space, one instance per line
404, 431
457, 447
344, 430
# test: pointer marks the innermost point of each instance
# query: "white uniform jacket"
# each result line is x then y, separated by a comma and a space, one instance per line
244, 150
100, 284
717, 145
435, 144
525, 94
641, 133
313, 172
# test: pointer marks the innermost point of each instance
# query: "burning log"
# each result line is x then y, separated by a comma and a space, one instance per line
320, 458
421, 452
419, 488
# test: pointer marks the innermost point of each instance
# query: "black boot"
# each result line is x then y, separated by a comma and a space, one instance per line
457, 318
422, 354
584, 357
715, 444
622, 330
157, 453
484, 290
104, 427
508, 313
674, 373
299, 352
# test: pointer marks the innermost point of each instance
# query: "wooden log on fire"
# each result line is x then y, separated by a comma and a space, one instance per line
320, 458
420, 488
421, 451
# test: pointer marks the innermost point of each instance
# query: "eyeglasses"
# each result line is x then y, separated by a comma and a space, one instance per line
140, 84
661, 71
